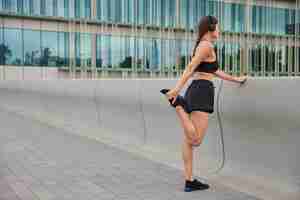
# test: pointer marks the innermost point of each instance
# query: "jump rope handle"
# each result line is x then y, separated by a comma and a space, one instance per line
244, 81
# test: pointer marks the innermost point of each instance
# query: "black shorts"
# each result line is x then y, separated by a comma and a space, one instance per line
199, 96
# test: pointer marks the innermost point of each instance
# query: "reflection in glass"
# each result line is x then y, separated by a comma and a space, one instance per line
32, 47
83, 49
36, 7
49, 7
49, 48
11, 50
62, 8
63, 49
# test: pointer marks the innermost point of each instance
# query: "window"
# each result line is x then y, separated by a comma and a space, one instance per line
139, 53
83, 49
63, 49
49, 7
49, 48
126, 53
11, 5
3, 49
71, 7
62, 8
12, 48
36, 7
98, 52
104, 51
26, 7
82, 8
124, 12
32, 47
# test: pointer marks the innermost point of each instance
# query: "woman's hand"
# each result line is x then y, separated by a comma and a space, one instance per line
228, 77
172, 95
241, 79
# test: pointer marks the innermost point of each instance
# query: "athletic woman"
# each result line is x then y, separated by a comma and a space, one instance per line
198, 102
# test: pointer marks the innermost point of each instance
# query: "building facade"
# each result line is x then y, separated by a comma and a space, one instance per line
89, 38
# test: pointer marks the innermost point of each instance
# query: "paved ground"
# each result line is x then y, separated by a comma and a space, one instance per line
42, 162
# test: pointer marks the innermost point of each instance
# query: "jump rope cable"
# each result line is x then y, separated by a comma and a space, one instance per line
221, 130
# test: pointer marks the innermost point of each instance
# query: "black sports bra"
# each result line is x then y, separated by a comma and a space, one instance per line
208, 67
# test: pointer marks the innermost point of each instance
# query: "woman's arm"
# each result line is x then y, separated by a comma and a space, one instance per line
201, 53
221, 74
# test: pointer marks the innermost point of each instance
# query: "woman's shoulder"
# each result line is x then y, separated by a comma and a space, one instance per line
205, 47
205, 44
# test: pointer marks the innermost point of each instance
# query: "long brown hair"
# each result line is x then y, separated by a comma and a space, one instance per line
207, 23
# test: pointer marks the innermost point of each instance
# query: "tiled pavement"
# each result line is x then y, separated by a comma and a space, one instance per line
42, 162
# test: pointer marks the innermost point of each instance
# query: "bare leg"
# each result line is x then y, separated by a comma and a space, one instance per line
186, 124
187, 155
194, 130
200, 122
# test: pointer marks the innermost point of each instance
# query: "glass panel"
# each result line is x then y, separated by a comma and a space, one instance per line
125, 56
172, 13
125, 12
98, 5
63, 49
26, 7
49, 48
184, 4
116, 50
141, 12
155, 54
36, 7
139, 53
86, 49
83, 49
105, 50
126, 53
83, 8
87, 8
270, 58
77, 9
49, 7
32, 47
71, 8
119, 6
3, 48
62, 7
4, 51
77, 50
99, 59
11, 5
12, 49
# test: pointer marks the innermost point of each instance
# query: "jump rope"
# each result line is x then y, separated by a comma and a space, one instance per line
141, 107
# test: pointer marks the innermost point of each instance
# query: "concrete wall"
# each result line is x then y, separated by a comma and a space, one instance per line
260, 121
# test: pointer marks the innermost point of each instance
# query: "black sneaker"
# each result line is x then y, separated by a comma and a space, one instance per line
195, 185
179, 99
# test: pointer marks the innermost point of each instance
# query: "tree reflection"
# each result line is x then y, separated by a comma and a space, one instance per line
5, 53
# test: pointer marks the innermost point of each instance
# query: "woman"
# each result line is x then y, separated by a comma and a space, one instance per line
198, 102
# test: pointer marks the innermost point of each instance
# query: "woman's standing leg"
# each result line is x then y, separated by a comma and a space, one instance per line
187, 149
197, 126
187, 155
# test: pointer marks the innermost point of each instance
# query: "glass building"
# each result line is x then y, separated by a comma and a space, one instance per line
147, 37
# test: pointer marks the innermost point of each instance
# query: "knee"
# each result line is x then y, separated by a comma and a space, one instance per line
198, 142
189, 142
191, 131
179, 108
